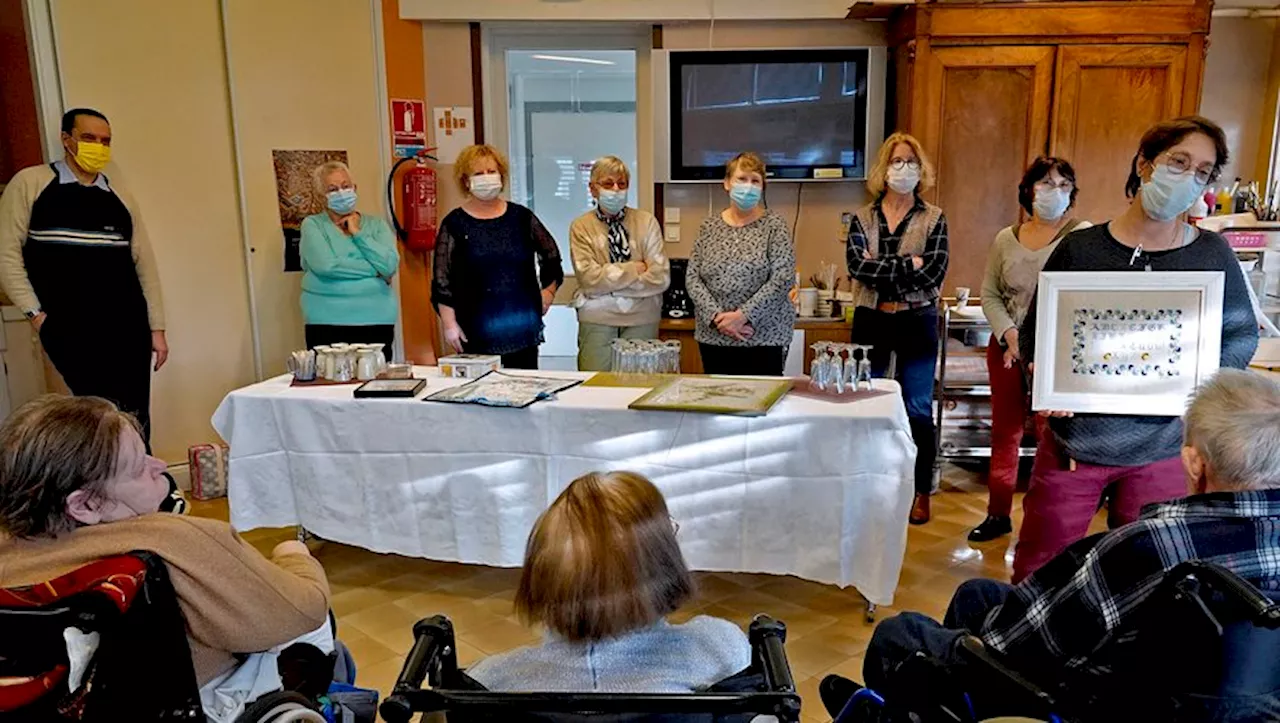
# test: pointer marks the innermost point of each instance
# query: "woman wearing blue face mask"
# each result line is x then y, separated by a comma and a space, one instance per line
1047, 193
1137, 458
897, 255
348, 260
739, 278
621, 269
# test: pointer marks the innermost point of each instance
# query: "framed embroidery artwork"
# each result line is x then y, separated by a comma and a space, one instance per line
1125, 342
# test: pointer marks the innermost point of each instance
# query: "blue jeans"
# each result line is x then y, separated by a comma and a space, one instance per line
898, 638
914, 340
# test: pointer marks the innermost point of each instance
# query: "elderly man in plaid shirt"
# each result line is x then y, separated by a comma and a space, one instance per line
1065, 611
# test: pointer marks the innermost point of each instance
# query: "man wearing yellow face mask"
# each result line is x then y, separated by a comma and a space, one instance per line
74, 256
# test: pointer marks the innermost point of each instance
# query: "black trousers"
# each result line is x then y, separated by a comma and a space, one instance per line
114, 364
526, 358
325, 334
756, 361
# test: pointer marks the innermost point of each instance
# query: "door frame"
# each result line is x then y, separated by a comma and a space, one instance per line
497, 38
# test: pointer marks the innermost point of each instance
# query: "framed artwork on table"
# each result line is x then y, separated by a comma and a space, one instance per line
1125, 342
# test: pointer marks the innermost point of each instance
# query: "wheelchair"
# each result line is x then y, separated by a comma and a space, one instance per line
764, 688
141, 669
1205, 647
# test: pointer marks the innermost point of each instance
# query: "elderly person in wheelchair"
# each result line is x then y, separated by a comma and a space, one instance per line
76, 489
602, 570
1087, 621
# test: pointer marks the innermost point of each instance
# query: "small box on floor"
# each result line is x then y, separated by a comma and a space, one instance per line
208, 465
469, 366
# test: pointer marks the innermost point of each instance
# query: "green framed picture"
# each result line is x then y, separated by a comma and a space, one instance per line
741, 396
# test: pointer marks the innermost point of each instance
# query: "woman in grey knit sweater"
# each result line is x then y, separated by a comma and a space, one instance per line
740, 276
1136, 457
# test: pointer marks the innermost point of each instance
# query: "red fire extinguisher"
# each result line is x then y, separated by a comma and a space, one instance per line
418, 202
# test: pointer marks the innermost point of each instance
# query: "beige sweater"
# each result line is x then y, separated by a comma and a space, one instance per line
15, 213
234, 599
618, 294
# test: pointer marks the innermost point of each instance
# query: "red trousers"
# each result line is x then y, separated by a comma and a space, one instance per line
1061, 501
1009, 410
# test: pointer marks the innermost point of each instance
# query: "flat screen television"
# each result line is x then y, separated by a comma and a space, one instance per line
811, 114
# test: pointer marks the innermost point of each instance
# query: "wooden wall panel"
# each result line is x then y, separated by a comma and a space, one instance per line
985, 120
1106, 97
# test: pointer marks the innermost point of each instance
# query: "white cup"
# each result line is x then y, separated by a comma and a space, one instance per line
808, 301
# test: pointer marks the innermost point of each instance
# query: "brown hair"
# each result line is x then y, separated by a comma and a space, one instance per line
876, 178
467, 159
1039, 170
603, 560
749, 163
50, 447
1169, 133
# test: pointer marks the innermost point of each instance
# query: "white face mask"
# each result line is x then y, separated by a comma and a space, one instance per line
486, 186
903, 180
1051, 203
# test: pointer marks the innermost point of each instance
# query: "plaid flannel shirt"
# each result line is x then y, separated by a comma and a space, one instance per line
893, 276
1069, 608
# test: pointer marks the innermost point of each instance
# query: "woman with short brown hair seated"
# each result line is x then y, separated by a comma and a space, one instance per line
602, 570
77, 486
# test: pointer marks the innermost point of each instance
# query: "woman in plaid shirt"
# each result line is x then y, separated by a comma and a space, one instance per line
897, 256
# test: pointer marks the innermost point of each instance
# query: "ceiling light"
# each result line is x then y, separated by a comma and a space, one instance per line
572, 59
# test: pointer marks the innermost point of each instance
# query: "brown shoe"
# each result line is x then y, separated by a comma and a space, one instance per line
920, 510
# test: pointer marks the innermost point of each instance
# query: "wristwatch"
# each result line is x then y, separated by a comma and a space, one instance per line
31, 314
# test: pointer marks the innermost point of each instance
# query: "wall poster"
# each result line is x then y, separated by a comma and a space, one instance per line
296, 196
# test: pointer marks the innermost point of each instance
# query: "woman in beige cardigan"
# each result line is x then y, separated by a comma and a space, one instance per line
621, 270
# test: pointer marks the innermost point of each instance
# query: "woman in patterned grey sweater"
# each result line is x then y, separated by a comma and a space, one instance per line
740, 274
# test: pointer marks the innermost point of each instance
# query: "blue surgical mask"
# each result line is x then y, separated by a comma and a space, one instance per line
745, 195
1051, 203
342, 201
1169, 194
612, 202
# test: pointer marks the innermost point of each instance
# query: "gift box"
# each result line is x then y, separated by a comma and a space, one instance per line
208, 464
469, 366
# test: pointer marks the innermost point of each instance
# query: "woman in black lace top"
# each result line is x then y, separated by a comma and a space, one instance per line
496, 266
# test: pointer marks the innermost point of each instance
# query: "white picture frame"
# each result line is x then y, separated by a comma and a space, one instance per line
1125, 342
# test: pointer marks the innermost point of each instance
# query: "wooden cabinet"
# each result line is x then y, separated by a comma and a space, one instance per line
987, 87
1107, 95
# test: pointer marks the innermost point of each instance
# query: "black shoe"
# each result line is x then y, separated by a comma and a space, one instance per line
991, 528
835, 691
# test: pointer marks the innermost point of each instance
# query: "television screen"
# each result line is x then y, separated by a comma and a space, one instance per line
803, 111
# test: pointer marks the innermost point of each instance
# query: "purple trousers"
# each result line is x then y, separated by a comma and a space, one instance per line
1061, 502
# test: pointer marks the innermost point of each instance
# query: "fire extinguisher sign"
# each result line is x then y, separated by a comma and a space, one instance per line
408, 126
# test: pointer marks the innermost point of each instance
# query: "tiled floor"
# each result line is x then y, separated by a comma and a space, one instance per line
377, 598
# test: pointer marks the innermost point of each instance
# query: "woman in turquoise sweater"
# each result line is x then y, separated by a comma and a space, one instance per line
349, 260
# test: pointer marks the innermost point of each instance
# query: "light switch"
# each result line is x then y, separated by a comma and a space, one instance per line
673, 233
671, 214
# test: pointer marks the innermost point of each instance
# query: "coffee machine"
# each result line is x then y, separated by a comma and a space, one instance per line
676, 303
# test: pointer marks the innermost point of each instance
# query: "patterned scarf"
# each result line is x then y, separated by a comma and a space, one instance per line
619, 244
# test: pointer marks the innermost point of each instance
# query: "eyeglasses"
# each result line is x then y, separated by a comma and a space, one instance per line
1180, 163
898, 164
1047, 185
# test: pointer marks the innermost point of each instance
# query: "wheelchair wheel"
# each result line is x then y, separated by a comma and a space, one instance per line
281, 707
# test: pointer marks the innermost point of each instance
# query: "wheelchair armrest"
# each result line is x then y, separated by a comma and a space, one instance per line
973, 652
768, 651
1260, 609
433, 649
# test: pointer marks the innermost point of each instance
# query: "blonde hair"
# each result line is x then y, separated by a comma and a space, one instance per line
469, 157
609, 167
879, 171
322, 172
748, 163
603, 560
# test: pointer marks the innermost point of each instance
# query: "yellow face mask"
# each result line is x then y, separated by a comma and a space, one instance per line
92, 157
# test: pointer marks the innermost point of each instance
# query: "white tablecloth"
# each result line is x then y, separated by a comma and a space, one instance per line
814, 489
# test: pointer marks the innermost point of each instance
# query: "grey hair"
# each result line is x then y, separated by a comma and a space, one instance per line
322, 172
1234, 423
